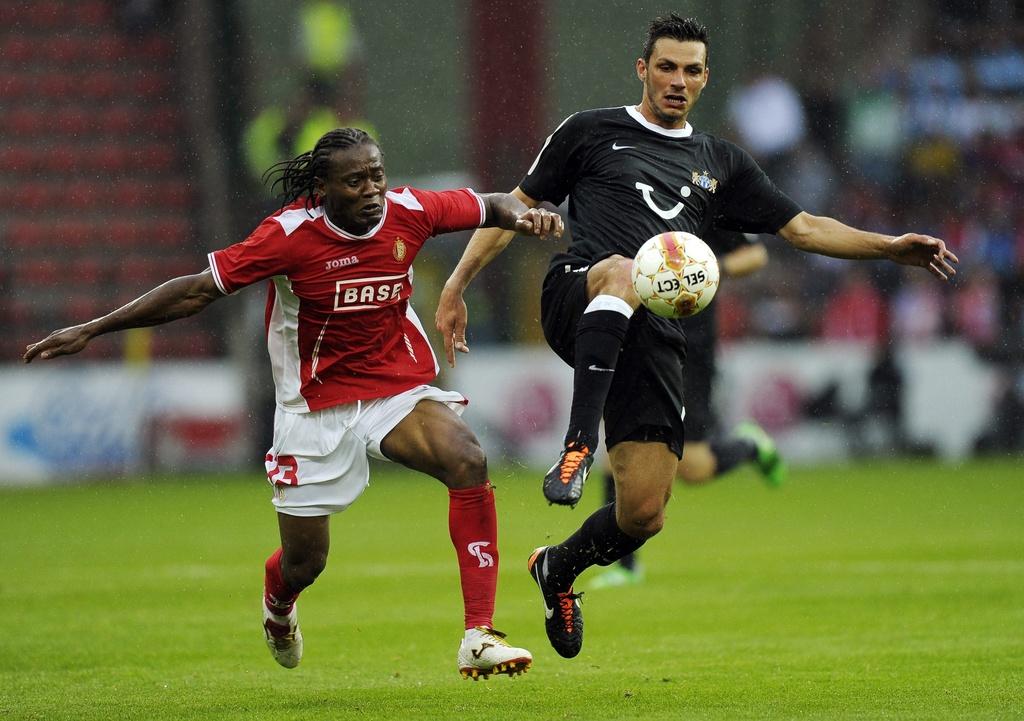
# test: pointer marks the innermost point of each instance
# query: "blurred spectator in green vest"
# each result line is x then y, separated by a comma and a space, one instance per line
328, 41
329, 50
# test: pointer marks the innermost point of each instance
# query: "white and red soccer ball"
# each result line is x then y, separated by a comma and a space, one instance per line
675, 274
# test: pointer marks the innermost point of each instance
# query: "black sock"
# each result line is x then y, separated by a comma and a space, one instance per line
629, 560
599, 337
599, 541
730, 451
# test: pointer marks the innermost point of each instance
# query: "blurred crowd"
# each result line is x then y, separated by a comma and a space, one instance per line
933, 145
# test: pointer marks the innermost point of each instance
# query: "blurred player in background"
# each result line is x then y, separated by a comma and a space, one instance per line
708, 454
631, 173
351, 367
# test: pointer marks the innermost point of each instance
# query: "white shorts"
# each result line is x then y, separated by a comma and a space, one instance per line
319, 463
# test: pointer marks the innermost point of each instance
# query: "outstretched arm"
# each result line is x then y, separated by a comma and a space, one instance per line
177, 298
485, 245
827, 236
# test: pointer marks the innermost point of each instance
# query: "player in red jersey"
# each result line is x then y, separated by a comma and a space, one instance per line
351, 367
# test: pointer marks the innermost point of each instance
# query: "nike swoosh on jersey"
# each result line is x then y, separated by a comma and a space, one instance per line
616, 146
593, 367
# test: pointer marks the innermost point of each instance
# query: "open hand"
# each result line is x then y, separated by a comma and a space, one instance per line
65, 341
924, 251
450, 320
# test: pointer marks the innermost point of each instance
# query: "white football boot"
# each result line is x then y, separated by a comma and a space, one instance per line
484, 651
284, 639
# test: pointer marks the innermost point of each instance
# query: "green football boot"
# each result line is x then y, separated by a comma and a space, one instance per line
769, 462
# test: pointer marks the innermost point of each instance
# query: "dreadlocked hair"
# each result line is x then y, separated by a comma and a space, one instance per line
289, 180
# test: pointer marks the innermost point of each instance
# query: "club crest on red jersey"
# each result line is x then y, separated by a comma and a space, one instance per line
399, 250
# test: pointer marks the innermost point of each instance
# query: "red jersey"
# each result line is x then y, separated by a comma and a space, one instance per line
339, 324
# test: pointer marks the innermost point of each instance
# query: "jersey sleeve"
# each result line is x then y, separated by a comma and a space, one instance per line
262, 255
752, 202
450, 210
557, 165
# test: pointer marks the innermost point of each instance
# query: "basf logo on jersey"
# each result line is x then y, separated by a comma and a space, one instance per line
364, 293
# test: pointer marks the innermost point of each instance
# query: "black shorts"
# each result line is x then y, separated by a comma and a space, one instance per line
646, 398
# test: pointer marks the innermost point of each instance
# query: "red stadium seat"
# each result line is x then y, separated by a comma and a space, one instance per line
119, 120
36, 272
140, 272
111, 158
122, 234
154, 48
55, 85
91, 12
24, 121
83, 307
109, 47
73, 233
169, 232
159, 157
14, 84
83, 195
61, 158
67, 49
151, 84
18, 49
174, 194
31, 196
163, 120
89, 271
101, 85
71, 120
44, 14
18, 159
26, 234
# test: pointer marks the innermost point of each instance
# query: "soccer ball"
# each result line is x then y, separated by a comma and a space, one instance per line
675, 275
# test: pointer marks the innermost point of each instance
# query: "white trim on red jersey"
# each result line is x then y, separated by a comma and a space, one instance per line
368, 234
283, 347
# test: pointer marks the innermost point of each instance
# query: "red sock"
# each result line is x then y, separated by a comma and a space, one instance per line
473, 525
278, 597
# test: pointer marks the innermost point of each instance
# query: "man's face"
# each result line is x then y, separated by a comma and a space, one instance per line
353, 192
673, 80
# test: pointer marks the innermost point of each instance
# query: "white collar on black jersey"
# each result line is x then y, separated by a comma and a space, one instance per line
683, 132
368, 234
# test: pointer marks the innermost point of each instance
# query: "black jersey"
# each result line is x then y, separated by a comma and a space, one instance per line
628, 180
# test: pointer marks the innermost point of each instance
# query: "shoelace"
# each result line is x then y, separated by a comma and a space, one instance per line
497, 636
279, 632
571, 463
565, 604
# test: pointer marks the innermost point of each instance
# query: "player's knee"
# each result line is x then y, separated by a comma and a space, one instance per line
642, 521
611, 276
468, 467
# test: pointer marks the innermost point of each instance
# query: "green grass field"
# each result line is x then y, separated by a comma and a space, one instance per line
883, 591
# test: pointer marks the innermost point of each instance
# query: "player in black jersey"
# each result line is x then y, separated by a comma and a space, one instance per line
708, 453
631, 173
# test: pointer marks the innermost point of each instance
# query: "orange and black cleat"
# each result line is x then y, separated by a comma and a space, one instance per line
563, 484
563, 614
